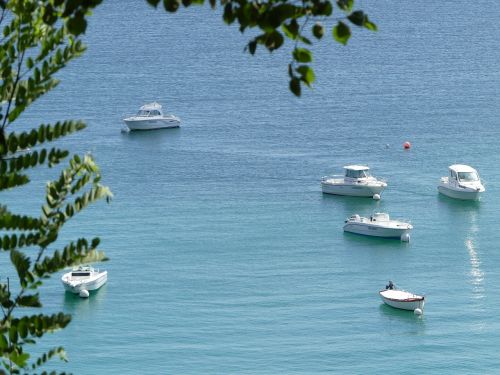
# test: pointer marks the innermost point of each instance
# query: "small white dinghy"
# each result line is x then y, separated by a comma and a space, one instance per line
84, 279
378, 225
401, 299
357, 181
462, 183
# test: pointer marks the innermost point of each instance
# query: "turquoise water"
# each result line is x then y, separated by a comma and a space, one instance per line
225, 256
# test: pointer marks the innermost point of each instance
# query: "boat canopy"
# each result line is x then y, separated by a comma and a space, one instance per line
146, 113
357, 167
461, 168
357, 171
380, 216
151, 106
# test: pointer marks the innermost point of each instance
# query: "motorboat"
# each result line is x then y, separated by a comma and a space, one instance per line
462, 183
84, 278
378, 225
357, 181
401, 299
151, 116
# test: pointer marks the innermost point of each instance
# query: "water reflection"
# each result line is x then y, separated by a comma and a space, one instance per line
476, 274
151, 136
389, 243
468, 211
75, 305
403, 317
457, 205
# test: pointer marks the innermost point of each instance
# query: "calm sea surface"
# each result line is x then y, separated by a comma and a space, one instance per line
225, 256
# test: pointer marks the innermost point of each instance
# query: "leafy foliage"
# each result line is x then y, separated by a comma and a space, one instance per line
39, 38
280, 19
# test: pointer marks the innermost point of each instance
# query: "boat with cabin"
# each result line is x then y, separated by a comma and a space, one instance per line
151, 116
357, 181
463, 183
84, 278
378, 225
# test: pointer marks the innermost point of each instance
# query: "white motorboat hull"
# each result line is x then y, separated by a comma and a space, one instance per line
359, 190
411, 304
94, 283
464, 194
152, 124
376, 230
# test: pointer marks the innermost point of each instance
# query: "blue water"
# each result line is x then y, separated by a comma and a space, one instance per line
225, 256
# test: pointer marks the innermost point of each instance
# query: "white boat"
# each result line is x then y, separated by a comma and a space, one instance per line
378, 225
462, 183
401, 299
84, 278
151, 116
357, 181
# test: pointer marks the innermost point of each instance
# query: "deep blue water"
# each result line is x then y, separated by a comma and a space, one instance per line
225, 256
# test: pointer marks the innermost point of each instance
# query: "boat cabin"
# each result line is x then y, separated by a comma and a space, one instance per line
379, 216
150, 110
144, 113
82, 271
463, 173
357, 171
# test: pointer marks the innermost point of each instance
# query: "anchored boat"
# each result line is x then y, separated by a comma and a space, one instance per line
401, 299
151, 116
462, 183
84, 278
378, 225
357, 181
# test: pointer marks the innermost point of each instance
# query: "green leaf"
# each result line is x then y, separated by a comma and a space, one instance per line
22, 264
318, 30
4, 344
370, 25
291, 29
341, 33
274, 40
11, 180
77, 24
345, 5
295, 86
171, 5
22, 328
357, 18
13, 334
302, 55
306, 74
19, 359
32, 300
252, 46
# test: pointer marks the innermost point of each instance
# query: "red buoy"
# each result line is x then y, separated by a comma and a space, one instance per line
406, 145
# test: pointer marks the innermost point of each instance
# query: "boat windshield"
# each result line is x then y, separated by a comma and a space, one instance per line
357, 173
80, 273
146, 113
468, 176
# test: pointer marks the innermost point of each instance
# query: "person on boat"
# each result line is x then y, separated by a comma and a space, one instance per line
390, 285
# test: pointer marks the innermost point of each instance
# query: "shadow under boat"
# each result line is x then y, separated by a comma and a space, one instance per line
400, 315
75, 304
153, 134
